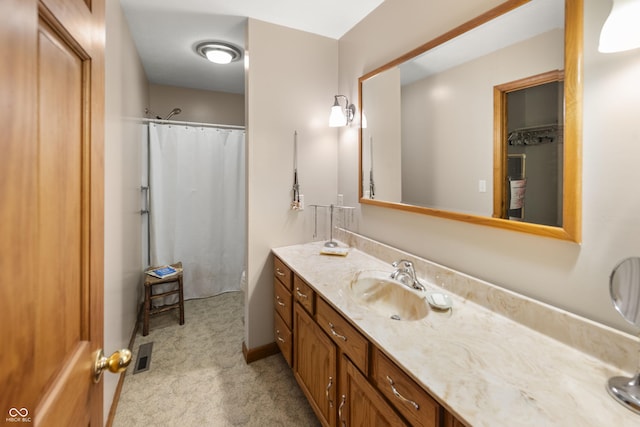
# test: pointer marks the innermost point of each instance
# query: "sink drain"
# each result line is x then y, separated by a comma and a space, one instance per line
395, 317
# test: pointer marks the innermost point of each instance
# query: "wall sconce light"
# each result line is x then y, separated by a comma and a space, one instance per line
218, 52
621, 30
341, 117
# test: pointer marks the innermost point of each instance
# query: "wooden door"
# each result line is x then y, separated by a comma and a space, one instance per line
314, 361
360, 404
51, 210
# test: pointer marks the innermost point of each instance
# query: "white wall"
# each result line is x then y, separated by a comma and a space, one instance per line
125, 97
291, 80
571, 276
201, 106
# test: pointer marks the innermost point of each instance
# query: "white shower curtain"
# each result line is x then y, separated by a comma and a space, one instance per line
197, 185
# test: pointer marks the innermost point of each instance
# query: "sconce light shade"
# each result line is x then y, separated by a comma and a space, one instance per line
621, 30
217, 52
337, 117
341, 117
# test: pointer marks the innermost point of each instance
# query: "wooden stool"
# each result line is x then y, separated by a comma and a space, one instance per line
149, 283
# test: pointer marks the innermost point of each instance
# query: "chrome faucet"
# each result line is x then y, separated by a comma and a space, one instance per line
406, 274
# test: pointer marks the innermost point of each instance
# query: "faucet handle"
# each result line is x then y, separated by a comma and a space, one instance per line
405, 263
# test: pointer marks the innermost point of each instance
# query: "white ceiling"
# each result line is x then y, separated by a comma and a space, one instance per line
165, 32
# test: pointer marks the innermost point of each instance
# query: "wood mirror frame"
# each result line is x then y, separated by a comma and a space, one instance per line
571, 228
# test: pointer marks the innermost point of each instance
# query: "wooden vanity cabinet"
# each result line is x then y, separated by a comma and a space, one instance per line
315, 365
283, 302
282, 273
345, 336
451, 421
283, 309
405, 394
303, 294
347, 380
360, 404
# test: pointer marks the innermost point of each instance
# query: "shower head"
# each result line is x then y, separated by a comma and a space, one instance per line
173, 113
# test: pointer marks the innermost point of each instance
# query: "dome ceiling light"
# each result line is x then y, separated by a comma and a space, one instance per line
218, 52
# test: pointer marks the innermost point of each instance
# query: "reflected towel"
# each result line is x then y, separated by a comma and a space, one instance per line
518, 187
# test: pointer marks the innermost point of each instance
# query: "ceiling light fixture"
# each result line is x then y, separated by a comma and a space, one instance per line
218, 52
340, 117
621, 31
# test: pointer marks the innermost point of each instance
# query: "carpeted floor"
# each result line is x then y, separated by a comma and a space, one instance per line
198, 376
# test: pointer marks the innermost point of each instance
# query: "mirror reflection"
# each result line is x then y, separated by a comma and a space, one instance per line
431, 138
528, 158
624, 288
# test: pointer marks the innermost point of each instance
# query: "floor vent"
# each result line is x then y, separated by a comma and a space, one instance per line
143, 360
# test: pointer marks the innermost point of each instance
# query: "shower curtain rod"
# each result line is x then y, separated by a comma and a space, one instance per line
175, 122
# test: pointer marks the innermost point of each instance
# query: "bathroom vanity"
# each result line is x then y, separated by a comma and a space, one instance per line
495, 359
337, 366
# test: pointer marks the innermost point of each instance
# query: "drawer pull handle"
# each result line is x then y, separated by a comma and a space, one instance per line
343, 423
279, 272
279, 301
300, 294
278, 334
326, 392
335, 334
399, 396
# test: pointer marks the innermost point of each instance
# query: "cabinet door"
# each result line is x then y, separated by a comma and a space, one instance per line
360, 404
315, 359
451, 421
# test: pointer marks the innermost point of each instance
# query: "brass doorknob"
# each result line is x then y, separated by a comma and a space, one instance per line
115, 363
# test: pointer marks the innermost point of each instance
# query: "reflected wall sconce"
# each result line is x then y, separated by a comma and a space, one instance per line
621, 30
218, 52
339, 116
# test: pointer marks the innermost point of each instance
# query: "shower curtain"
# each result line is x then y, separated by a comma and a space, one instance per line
197, 185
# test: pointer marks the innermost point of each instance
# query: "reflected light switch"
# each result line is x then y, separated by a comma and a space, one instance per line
482, 186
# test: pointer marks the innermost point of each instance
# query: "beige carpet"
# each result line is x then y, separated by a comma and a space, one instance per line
198, 376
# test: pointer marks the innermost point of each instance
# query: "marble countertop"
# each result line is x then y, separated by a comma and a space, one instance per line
485, 368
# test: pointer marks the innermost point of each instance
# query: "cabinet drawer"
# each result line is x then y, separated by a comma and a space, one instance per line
303, 294
405, 394
282, 272
350, 341
284, 338
283, 302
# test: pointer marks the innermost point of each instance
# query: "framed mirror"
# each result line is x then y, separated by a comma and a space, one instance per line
447, 128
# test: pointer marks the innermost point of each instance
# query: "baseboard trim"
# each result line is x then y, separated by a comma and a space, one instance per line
251, 355
116, 394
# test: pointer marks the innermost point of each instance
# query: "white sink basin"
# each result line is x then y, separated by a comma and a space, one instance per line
377, 291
